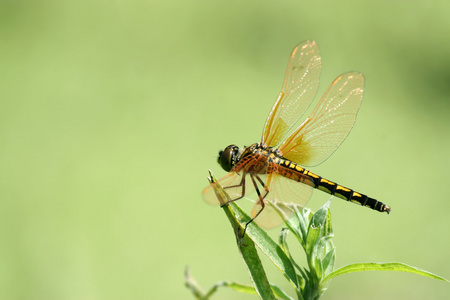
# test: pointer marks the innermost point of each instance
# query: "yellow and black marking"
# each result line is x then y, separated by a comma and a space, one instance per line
332, 188
295, 172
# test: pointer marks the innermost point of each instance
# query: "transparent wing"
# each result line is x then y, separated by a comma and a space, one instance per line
233, 185
329, 123
237, 183
282, 193
299, 89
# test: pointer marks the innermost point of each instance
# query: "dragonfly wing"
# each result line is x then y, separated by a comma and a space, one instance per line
329, 123
237, 183
299, 89
283, 193
233, 185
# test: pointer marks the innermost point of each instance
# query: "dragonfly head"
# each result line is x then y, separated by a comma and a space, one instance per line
228, 157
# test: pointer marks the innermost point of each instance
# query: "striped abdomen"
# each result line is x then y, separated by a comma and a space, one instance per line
292, 170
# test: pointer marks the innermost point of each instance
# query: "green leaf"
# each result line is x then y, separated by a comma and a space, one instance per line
328, 261
318, 229
283, 241
268, 246
245, 245
254, 234
192, 284
320, 217
255, 268
312, 238
284, 246
303, 217
279, 293
247, 289
392, 266
317, 267
296, 223
328, 230
238, 287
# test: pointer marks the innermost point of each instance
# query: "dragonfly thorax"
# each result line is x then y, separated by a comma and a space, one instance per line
252, 159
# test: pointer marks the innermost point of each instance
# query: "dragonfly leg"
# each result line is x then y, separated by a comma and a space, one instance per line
241, 184
263, 185
260, 197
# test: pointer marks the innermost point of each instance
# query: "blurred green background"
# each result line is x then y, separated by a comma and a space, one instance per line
111, 113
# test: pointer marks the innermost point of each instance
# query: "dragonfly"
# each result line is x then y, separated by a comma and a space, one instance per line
274, 167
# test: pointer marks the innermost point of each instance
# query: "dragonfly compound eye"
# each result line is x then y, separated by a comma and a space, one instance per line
228, 157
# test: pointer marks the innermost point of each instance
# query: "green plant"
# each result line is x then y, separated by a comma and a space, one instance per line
313, 232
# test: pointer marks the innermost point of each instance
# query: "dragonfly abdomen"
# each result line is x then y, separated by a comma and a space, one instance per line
294, 171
